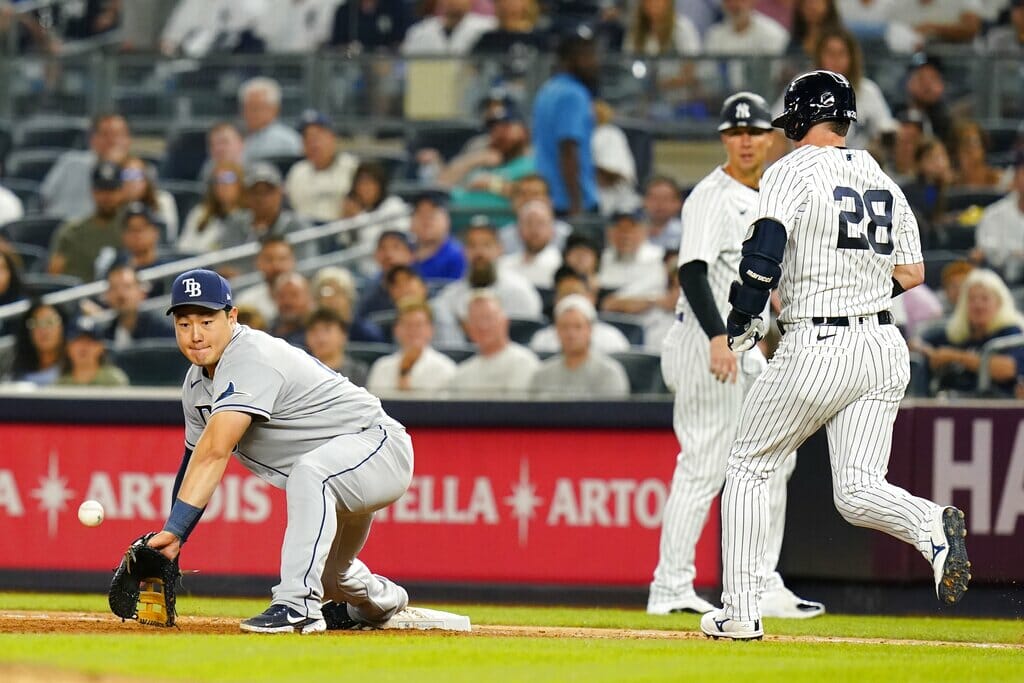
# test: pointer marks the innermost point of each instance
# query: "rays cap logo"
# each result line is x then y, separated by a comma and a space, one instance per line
200, 287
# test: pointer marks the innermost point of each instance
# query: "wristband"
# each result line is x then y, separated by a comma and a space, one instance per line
897, 288
182, 519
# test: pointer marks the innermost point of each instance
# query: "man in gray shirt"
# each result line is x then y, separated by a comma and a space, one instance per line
265, 136
579, 371
67, 187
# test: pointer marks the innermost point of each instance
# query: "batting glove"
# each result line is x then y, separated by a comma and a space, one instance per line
744, 331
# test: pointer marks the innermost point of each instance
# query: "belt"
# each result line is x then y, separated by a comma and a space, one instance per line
883, 317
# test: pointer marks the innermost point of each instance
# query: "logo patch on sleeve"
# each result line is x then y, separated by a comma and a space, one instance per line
230, 391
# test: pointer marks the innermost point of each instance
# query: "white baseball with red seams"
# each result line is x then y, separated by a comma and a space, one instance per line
90, 513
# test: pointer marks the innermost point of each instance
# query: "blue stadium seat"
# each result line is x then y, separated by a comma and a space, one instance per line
643, 370
152, 362
185, 153
521, 330
456, 353
368, 352
26, 190
37, 230
630, 325
51, 131
33, 258
31, 164
186, 193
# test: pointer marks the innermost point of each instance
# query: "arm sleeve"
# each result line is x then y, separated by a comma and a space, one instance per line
693, 279
572, 123
906, 238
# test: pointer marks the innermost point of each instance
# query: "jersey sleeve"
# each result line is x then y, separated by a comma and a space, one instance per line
781, 195
572, 122
247, 387
906, 237
701, 241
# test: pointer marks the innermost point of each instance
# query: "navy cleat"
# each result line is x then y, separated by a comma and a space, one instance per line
949, 555
283, 619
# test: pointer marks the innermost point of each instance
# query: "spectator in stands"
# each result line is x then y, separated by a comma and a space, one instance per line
985, 311
745, 31
249, 316
540, 258
326, 339
518, 297
663, 206
265, 213
1000, 233
500, 366
66, 190
439, 256
39, 345
940, 21
454, 31
369, 26
838, 50
811, 20
579, 370
909, 135
89, 19
605, 337
483, 178
659, 29
429, 160
140, 237
969, 145
294, 304
404, 284
415, 366
629, 262
1008, 39
201, 27
274, 259
265, 135
10, 283
393, 249
563, 126
125, 294
85, 362
925, 95
516, 32
10, 206
335, 288
295, 26
527, 189
582, 255
317, 185
224, 145
927, 194
953, 276
139, 183
369, 197
77, 247
613, 164
206, 225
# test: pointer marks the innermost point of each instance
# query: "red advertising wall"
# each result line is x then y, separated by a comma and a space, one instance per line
486, 505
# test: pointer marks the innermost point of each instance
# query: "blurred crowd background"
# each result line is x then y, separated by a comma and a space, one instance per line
384, 181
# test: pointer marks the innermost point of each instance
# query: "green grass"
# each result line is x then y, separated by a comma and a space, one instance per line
380, 657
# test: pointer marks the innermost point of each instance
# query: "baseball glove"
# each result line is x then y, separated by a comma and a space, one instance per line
144, 585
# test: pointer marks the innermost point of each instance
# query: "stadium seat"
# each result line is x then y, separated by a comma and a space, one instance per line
33, 258
629, 325
27, 191
521, 330
38, 284
31, 164
283, 162
5, 143
153, 362
456, 353
186, 193
641, 144
934, 261
959, 200
37, 230
50, 131
643, 370
185, 153
393, 162
368, 352
448, 138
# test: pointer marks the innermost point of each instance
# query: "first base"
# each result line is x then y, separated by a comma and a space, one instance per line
423, 619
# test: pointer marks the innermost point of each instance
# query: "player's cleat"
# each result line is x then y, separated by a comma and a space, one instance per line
283, 619
782, 603
716, 625
691, 603
949, 555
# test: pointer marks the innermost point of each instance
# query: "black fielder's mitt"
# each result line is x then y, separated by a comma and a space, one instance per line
144, 585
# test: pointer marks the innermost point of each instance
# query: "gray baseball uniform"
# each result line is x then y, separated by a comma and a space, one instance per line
329, 445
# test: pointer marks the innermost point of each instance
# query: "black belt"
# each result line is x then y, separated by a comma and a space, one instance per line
884, 318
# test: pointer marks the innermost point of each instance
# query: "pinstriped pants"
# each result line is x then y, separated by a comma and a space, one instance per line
705, 416
851, 380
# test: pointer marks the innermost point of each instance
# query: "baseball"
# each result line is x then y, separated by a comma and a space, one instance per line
90, 513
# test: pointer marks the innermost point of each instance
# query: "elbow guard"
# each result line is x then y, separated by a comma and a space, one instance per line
761, 266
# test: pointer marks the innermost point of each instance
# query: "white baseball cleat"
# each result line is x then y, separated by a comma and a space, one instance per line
783, 603
949, 555
716, 625
689, 603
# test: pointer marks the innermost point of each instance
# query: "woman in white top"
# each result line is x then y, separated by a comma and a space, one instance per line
415, 366
657, 30
138, 182
204, 227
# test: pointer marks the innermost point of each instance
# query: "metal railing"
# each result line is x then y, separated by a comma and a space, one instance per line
987, 351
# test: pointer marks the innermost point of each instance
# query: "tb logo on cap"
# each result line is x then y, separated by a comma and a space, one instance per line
192, 287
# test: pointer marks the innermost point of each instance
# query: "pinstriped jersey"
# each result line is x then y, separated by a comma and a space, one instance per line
716, 216
848, 225
297, 403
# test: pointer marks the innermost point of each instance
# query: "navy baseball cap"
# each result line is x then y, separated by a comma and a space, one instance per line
200, 287
312, 117
138, 209
83, 327
745, 110
106, 175
502, 113
438, 196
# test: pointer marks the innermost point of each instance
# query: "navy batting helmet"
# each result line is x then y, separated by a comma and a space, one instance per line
815, 97
745, 110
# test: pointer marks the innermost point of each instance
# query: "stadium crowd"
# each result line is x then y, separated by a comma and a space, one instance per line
539, 257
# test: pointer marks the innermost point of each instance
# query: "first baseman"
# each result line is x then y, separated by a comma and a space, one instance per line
297, 425
708, 379
837, 238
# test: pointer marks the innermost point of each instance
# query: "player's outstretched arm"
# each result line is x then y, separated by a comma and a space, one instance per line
760, 272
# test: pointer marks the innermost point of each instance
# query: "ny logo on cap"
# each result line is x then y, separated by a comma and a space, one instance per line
743, 110
192, 287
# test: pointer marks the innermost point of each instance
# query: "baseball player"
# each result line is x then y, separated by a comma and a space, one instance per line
708, 379
837, 238
297, 425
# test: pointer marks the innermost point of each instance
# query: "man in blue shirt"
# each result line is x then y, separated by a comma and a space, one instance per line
563, 124
439, 256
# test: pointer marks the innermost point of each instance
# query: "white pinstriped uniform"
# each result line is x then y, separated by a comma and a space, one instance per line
835, 204
715, 220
